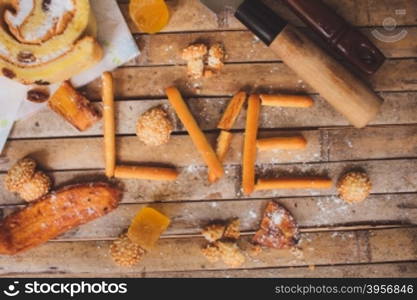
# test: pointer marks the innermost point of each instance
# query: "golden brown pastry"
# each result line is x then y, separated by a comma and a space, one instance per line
55, 214
254, 250
232, 230
354, 187
38, 186
19, 174
154, 127
278, 228
212, 253
125, 253
223, 243
23, 179
74, 107
230, 253
34, 30
216, 57
46, 42
195, 55
213, 232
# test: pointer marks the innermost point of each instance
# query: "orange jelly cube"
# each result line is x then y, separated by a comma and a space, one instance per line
147, 227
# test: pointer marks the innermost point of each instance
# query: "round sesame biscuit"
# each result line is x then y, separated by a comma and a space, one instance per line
19, 173
37, 187
354, 187
154, 127
125, 253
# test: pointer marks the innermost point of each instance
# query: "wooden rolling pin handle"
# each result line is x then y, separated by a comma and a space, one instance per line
345, 92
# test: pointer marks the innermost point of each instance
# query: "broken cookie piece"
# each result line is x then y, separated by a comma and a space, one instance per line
212, 253
213, 232
223, 238
254, 250
230, 253
195, 56
278, 228
218, 231
232, 230
216, 57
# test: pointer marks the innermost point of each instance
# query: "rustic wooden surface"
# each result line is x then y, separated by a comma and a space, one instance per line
376, 238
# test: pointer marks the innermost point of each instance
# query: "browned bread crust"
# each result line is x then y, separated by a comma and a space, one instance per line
55, 214
278, 228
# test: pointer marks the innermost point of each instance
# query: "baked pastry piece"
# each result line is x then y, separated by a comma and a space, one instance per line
227, 251
216, 57
19, 174
212, 253
64, 50
232, 230
222, 245
81, 56
354, 187
154, 127
217, 231
38, 186
73, 30
74, 107
254, 250
230, 253
213, 232
23, 179
126, 253
195, 56
37, 21
55, 214
278, 228
145, 230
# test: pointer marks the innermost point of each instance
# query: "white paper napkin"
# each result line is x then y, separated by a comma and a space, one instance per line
119, 48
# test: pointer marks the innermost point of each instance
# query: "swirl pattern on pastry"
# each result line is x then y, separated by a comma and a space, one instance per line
46, 41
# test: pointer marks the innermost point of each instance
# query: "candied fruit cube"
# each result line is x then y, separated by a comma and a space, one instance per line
74, 107
147, 227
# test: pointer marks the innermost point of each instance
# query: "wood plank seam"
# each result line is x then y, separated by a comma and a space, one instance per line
218, 272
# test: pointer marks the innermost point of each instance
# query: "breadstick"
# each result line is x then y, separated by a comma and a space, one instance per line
296, 101
294, 183
146, 173
109, 124
249, 147
223, 144
232, 111
197, 136
285, 143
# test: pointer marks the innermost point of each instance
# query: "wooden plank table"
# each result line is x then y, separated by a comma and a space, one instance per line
375, 238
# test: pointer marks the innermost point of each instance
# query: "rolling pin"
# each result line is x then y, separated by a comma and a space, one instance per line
346, 93
349, 42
